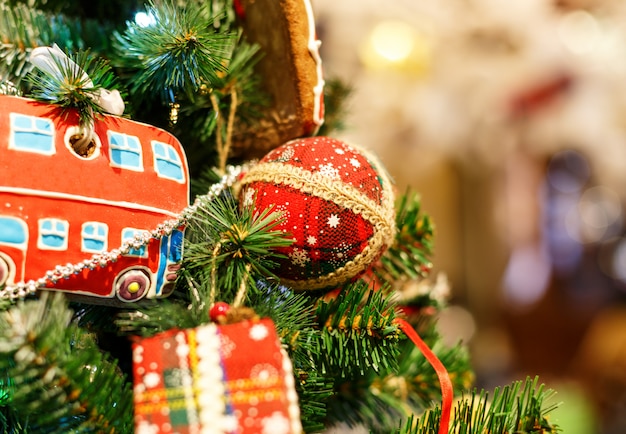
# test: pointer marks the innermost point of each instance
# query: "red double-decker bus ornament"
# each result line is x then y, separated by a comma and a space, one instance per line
104, 223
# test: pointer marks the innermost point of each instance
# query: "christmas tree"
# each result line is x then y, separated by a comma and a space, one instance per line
296, 257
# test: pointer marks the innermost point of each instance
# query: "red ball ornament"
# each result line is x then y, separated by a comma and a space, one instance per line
336, 202
218, 311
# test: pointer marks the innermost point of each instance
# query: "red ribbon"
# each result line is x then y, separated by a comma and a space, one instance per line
444, 378
239, 9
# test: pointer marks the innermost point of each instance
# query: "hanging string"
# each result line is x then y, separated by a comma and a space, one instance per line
223, 146
447, 392
243, 288
213, 292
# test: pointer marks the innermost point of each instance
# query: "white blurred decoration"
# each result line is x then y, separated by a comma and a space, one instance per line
449, 93
464, 63
144, 19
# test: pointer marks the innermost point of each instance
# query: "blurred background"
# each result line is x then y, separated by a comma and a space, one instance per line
509, 118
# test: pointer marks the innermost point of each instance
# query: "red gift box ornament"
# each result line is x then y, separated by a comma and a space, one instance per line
336, 203
207, 380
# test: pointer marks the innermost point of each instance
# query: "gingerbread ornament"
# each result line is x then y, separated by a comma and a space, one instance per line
290, 70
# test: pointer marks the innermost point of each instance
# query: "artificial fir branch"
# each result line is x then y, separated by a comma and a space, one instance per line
519, 408
199, 119
103, 11
336, 95
179, 53
236, 241
62, 382
357, 332
416, 384
292, 314
22, 28
380, 401
409, 256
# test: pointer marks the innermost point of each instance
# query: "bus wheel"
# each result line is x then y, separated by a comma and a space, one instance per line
132, 285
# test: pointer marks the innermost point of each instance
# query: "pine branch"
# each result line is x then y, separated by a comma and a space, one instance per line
409, 257
197, 122
519, 408
357, 332
292, 314
380, 401
314, 391
180, 53
61, 381
229, 247
336, 95
22, 28
104, 11
415, 385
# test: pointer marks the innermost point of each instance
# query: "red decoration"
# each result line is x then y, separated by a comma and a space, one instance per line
232, 378
541, 95
218, 311
101, 224
336, 202
447, 391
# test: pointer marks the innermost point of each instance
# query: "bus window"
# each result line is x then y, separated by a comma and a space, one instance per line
128, 234
13, 231
53, 234
167, 162
94, 237
125, 151
31, 134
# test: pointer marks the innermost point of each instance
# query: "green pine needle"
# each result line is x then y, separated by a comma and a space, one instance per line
181, 52
230, 245
22, 28
410, 256
357, 332
61, 381
520, 408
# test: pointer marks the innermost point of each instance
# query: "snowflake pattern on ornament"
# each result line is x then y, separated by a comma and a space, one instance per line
329, 171
263, 372
151, 379
333, 221
227, 346
299, 257
285, 155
